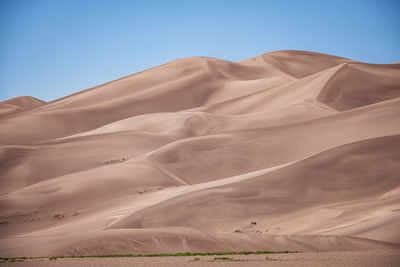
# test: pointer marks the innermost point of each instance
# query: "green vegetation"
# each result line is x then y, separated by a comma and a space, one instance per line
16, 259
155, 255
238, 231
253, 222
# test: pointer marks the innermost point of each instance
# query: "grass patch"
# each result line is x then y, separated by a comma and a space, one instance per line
180, 254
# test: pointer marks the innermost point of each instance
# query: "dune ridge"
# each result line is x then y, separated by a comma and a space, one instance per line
290, 150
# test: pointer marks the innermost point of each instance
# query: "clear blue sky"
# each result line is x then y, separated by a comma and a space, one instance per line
52, 48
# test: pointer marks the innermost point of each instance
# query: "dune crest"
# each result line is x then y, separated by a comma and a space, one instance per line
290, 150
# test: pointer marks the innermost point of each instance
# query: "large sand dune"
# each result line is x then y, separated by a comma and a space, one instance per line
290, 150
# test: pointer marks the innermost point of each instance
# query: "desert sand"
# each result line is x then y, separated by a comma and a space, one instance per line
290, 150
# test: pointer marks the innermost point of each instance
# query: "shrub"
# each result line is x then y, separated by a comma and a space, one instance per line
58, 216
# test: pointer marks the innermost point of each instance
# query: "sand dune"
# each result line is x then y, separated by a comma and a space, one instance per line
287, 150
18, 104
360, 84
324, 185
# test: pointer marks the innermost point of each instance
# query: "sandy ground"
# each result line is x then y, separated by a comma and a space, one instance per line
289, 150
323, 259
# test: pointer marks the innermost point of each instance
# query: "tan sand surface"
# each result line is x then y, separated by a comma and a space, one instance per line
290, 150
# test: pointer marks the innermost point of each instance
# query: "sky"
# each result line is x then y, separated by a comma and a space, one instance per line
53, 48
